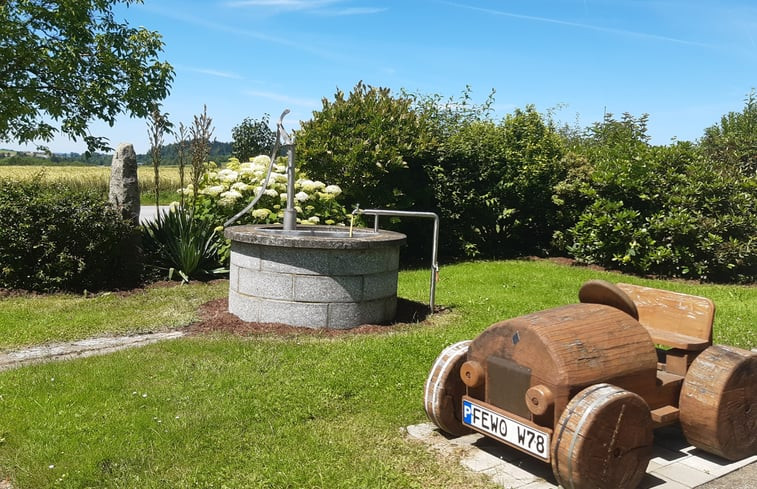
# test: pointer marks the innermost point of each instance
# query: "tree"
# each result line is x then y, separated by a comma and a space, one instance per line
65, 63
371, 144
252, 138
733, 142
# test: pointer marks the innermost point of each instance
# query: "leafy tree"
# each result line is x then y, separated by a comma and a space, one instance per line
65, 63
733, 142
251, 138
370, 143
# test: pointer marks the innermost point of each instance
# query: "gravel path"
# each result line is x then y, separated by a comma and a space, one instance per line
82, 348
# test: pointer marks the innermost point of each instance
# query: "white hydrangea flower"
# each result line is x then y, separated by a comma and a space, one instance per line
261, 160
229, 197
301, 196
314, 219
260, 213
319, 185
247, 170
213, 190
240, 187
333, 190
283, 196
307, 185
231, 194
279, 177
227, 175
271, 192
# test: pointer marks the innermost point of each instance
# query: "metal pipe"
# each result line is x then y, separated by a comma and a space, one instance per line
434, 248
264, 185
290, 213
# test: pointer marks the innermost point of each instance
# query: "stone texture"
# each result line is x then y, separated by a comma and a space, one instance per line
266, 285
380, 285
124, 186
303, 314
321, 288
314, 277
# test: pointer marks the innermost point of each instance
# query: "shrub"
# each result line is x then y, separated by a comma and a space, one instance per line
663, 210
223, 193
177, 243
371, 144
54, 238
493, 184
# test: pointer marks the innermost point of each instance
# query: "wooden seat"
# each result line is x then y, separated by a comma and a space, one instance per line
681, 322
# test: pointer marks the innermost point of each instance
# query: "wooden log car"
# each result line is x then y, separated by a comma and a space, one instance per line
583, 386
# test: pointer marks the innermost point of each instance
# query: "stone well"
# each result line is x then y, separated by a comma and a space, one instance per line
314, 276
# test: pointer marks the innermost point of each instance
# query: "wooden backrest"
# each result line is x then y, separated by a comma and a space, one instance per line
673, 319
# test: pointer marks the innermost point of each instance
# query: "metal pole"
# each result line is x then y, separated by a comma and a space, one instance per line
434, 248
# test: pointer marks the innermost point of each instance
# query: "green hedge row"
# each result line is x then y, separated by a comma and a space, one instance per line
56, 238
521, 185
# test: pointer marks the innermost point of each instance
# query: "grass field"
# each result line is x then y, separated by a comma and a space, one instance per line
98, 177
266, 411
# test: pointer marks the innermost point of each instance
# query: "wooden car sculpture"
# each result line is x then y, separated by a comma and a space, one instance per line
583, 386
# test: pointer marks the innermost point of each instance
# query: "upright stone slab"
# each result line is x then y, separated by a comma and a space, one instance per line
124, 186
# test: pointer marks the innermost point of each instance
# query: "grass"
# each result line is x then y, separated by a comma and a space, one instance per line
31, 320
98, 177
296, 411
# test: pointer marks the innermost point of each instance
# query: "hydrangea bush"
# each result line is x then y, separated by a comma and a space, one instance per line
223, 192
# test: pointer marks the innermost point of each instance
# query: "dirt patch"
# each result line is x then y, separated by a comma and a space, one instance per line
216, 318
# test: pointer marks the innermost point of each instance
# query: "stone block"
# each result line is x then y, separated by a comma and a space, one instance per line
380, 285
301, 261
266, 285
303, 314
244, 307
123, 193
362, 261
233, 277
245, 255
347, 315
320, 288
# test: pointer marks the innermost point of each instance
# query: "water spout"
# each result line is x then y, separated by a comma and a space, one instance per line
287, 141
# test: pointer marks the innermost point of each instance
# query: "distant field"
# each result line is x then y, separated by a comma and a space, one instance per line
98, 177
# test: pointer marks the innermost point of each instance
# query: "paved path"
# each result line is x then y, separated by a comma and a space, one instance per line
675, 464
81, 348
148, 213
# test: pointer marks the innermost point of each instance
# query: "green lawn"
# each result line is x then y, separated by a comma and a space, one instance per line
299, 411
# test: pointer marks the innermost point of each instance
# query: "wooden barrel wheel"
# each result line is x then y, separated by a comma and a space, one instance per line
718, 402
603, 439
443, 392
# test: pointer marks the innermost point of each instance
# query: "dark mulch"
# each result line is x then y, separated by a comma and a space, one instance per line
216, 318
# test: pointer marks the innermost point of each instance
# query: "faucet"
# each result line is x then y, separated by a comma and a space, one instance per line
287, 141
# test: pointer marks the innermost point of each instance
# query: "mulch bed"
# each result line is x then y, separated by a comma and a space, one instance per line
216, 318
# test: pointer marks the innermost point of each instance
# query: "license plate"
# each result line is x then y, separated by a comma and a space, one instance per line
506, 429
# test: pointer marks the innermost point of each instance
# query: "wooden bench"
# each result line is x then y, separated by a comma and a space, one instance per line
680, 322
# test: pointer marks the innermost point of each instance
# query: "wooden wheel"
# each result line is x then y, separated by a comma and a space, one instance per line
603, 439
443, 392
718, 402
603, 292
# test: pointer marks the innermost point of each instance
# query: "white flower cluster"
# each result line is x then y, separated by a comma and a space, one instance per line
232, 187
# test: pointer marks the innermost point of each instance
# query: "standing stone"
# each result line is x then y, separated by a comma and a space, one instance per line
124, 186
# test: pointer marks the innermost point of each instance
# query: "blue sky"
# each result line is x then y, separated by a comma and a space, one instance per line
685, 62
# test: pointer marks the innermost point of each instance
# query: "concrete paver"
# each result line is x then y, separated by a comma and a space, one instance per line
674, 465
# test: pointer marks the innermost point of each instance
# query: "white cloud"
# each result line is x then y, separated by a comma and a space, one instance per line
211, 72
278, 97
284, 4
578, 25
